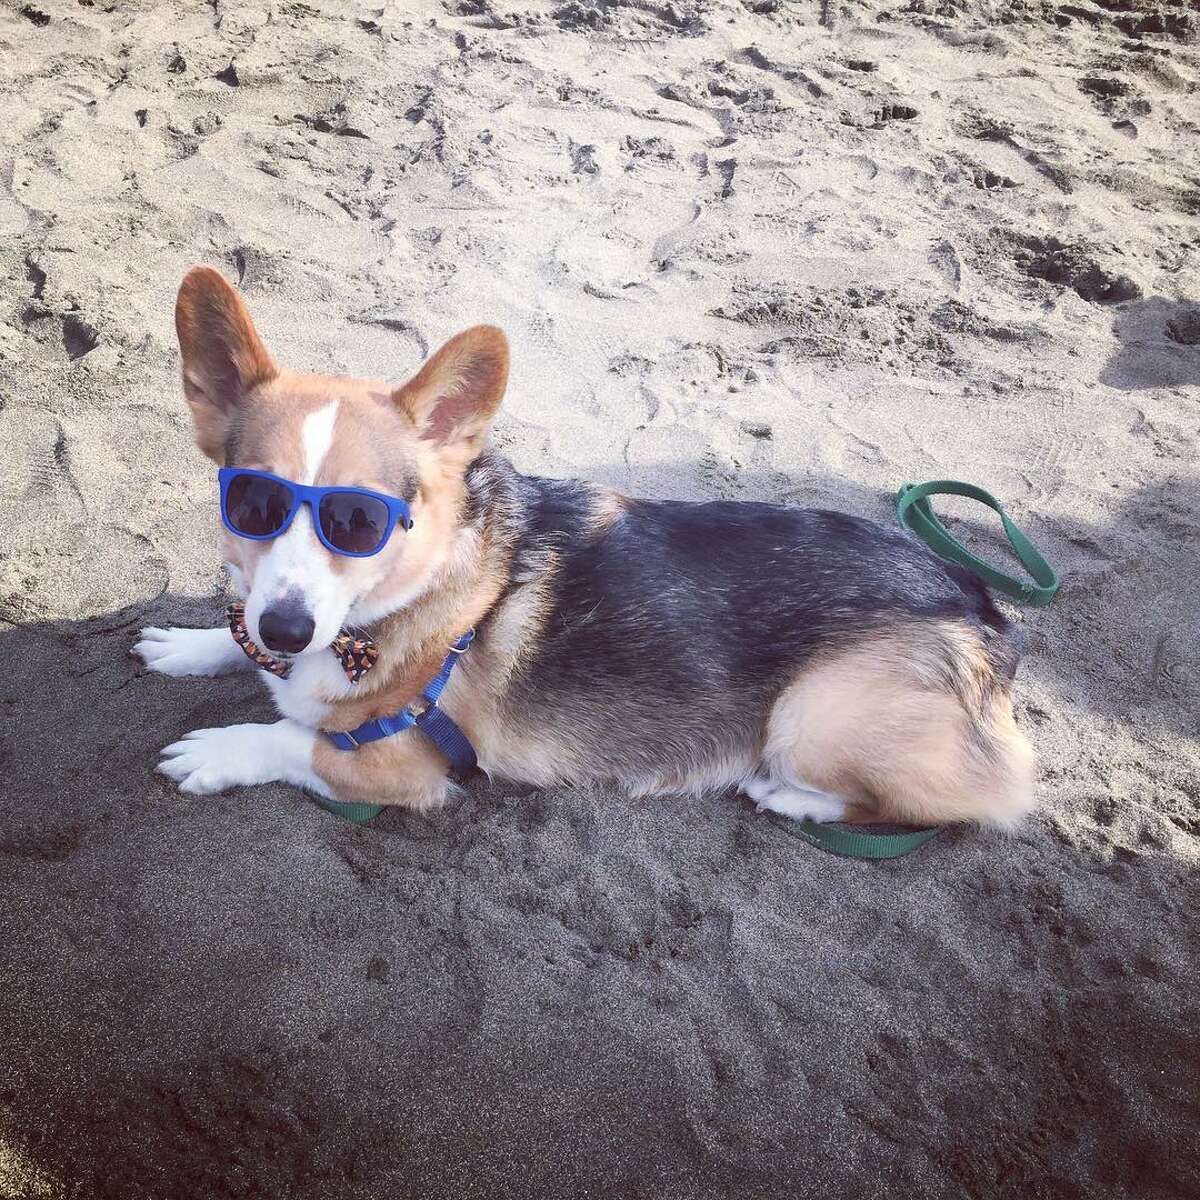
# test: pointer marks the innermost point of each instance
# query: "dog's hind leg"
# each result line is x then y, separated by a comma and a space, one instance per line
794, 800
913, 726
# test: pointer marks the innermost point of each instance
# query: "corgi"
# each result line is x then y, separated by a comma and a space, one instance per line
825, 666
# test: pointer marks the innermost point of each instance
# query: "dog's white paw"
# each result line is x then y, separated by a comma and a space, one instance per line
190, 651
211, 760
758, 788
799, 803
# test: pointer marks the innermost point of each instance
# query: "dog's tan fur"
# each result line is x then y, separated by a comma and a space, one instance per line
879, 726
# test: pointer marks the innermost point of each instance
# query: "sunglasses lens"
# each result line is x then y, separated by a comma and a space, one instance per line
352, 523
257, 507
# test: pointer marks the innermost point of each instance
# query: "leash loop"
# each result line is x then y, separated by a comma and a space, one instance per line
915, 513
861, 843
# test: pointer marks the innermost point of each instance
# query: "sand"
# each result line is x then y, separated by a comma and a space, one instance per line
798, 252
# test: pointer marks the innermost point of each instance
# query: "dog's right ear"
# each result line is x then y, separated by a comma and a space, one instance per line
223, 358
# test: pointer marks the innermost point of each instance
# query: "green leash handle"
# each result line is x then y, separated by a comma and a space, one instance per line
359, 814
916, 514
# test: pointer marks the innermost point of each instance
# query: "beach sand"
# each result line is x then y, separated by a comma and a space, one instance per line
797, 252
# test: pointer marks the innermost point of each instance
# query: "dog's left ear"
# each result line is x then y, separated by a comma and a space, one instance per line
223, 358
455, 395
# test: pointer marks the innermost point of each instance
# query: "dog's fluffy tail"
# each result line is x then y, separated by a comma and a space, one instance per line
913, 724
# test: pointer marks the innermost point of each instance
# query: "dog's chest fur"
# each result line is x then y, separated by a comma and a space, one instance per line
310, 691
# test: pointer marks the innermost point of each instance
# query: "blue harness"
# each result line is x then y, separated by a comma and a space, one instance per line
423, 714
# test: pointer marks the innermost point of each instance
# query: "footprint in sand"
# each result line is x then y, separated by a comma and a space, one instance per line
74, 336
38, 467
944, 259
79, 337
36, 276
988, 181
1074, 266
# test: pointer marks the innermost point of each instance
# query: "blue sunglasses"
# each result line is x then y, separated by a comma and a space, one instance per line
348, 520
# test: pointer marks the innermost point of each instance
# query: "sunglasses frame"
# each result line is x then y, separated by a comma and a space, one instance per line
398, 510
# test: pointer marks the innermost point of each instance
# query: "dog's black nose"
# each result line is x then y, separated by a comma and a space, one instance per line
287, 627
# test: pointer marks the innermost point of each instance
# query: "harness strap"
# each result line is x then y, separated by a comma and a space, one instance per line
450, 740
430, 720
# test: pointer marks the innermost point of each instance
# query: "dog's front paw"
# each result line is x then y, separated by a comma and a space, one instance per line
190, 651
211, 760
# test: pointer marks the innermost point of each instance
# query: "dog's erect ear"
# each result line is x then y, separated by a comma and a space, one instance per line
223, 358
455, 395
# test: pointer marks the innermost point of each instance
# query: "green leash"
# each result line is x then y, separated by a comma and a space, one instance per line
857, 843
360, 814
915, 514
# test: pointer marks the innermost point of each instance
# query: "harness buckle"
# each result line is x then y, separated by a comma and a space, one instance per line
464, 643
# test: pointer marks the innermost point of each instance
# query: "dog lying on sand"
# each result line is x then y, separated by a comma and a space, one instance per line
416, 607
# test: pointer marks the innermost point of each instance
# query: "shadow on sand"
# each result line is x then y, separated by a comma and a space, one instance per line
1159, 345
240, 995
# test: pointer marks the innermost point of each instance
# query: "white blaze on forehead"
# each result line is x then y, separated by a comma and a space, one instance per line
297, 561
316, 436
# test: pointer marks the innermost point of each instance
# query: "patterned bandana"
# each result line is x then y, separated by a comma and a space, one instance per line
358, 654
